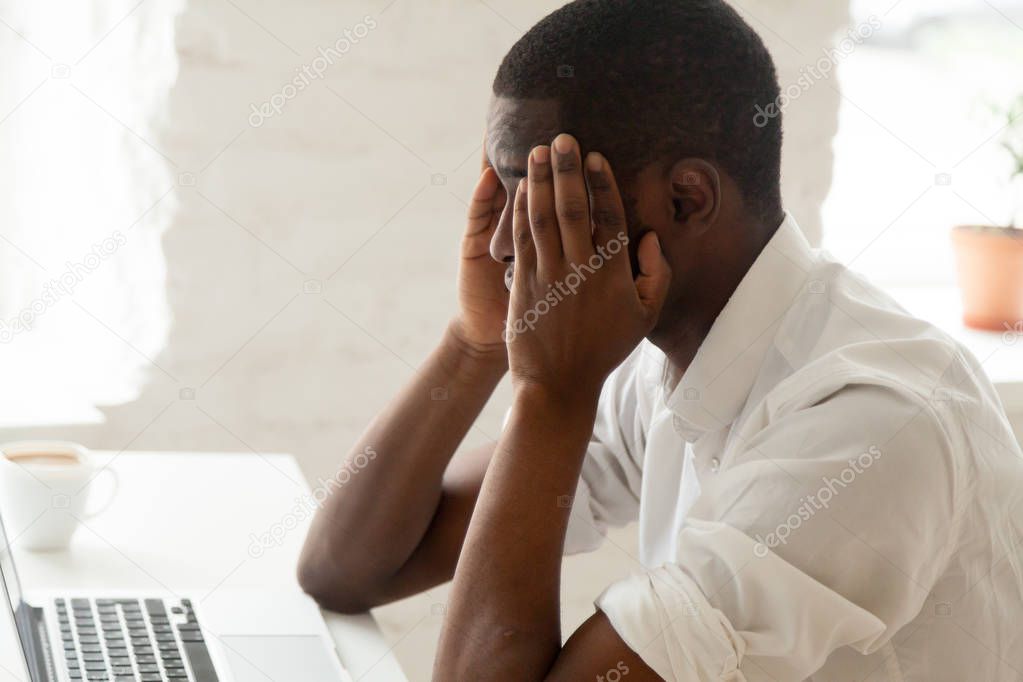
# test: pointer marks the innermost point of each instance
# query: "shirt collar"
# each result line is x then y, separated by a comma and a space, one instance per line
717, 383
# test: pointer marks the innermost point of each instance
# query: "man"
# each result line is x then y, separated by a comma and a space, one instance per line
826, 488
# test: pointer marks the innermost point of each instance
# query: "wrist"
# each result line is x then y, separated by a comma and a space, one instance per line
565, 402
486, 358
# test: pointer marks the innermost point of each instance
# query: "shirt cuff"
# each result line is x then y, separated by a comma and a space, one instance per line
654, 612
774, 622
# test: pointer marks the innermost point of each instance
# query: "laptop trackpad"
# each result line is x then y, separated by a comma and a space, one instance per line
280, 658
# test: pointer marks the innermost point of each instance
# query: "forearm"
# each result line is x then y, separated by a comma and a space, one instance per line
368, 529
503, 621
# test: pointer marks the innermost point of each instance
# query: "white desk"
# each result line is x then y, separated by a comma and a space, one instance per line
186, 522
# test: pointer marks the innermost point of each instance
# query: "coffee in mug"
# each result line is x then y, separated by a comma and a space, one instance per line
44, 487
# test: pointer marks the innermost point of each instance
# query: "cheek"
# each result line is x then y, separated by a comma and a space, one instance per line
637, 229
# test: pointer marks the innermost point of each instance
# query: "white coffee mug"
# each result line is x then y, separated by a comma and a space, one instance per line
44, 487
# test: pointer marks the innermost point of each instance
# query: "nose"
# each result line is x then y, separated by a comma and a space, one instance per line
502, 248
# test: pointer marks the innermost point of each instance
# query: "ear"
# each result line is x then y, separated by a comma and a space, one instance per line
696, 193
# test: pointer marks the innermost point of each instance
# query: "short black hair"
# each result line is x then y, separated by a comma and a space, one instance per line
657, 80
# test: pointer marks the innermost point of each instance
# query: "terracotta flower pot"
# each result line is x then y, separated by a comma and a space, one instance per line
990, 264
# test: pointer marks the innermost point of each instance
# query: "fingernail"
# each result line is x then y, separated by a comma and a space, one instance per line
594, 162
563, 143
541, 154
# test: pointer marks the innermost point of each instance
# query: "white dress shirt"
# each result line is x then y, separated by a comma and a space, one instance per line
831, 491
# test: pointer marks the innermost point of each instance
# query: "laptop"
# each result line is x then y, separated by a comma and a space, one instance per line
117, 636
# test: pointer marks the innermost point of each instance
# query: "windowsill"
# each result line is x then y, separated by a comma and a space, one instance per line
1001, 355
44, 395
43, 411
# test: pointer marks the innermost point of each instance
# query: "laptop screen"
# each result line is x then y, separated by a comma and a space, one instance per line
12, 606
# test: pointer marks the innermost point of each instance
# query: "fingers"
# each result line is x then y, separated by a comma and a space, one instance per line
484, 211
570, 199
569, 217
654, 276
481, 206
606, 210
542, 220
525, 253
485, 159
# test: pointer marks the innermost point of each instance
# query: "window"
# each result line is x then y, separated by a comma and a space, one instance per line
85, 196
917, 150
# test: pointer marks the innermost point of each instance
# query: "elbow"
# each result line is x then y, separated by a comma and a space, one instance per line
329, 590
311, 581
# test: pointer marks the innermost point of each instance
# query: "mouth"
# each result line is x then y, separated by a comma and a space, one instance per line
509, 276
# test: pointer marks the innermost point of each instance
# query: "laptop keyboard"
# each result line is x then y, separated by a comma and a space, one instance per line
147, 640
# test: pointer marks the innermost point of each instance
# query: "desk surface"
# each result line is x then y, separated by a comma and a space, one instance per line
191, 521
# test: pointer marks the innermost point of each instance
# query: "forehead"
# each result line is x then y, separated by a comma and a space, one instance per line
514, 126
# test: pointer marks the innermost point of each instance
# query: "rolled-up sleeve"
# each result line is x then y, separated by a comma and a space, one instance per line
826, 529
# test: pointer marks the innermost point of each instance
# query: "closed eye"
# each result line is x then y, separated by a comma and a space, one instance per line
510, 175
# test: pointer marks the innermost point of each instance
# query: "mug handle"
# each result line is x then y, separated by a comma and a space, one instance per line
110, 498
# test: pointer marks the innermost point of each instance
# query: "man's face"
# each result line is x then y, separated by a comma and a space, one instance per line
514, 127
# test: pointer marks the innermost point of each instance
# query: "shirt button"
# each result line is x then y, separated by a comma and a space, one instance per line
676, 422
715, 464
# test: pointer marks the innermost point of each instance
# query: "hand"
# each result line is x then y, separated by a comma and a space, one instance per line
482, 296
576, 310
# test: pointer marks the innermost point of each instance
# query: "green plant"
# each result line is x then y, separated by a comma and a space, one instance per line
1012, 142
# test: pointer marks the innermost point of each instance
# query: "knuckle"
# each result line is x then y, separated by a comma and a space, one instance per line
566, 163
599, 184
540, 220
573, 209
521, 208
608, 217
480, 211
540, 172
523, 238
